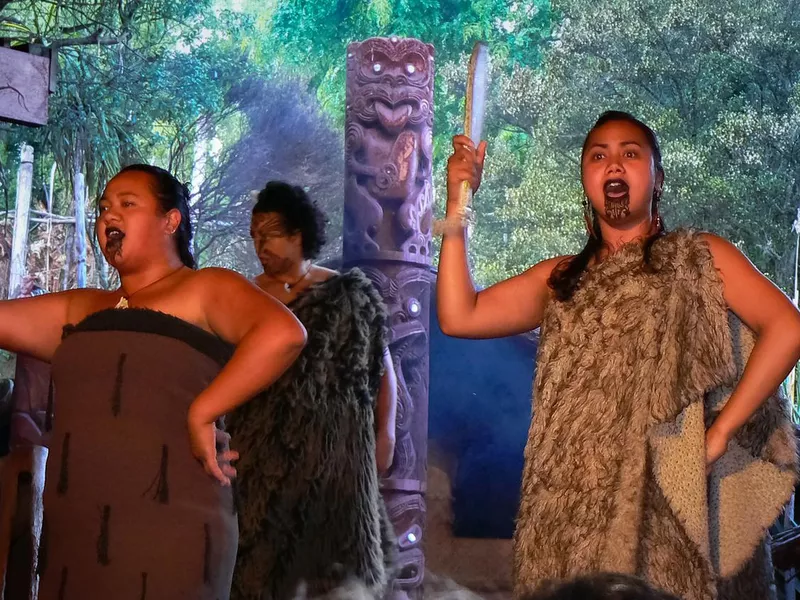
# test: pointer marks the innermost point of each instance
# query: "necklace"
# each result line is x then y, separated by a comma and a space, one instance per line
123, 300
289, 286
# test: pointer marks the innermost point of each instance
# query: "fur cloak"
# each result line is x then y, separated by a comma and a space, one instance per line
310, 510
630, 372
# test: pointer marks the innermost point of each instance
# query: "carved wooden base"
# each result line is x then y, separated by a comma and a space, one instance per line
407, 513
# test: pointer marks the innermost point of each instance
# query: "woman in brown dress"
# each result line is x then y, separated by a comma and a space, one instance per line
128, 511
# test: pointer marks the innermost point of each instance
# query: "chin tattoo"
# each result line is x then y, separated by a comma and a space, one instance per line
114, 248
617, 209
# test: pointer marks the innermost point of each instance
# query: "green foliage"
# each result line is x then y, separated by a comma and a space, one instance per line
135, 81
115, 78
719, 80
313, 37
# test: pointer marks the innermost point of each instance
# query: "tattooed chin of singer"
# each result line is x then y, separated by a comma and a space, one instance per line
616, 209
114, 248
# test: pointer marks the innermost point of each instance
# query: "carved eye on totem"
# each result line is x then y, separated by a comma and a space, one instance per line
412, 536
413, 307
375, 64
414, 66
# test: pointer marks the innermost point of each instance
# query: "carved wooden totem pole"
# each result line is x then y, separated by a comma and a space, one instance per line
387, 233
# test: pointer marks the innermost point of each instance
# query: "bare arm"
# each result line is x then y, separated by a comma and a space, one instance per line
33, 326
268, 339
267, 336
385, 415
507, 308
776, 323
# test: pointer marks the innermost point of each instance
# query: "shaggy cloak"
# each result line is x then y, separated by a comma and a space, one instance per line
310, 510
630, 372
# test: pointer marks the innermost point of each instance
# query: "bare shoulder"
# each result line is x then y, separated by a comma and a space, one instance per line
216, 293
323, 273
211, 274
231, 305
728, 259
219, 279
534, 282
542, 271
715, 242
748, 293
80, 303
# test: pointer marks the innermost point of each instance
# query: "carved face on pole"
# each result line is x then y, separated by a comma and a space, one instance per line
389, 148
391, 82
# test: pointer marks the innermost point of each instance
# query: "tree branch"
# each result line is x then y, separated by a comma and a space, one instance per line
89, 40
76, 28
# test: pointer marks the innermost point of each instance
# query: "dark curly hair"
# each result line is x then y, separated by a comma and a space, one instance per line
171, 194
298, 214
601, 586
566, 277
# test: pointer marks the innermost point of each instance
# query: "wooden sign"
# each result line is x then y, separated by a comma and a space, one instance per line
24, 87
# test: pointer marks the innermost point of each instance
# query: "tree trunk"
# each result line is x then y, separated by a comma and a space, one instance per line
49, 196
19, 249
79, 199
67, 269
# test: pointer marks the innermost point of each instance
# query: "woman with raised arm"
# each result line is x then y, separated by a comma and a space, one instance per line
659, 445
137, 501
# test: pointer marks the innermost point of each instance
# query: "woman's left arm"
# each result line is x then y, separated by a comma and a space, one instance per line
386, 416
776, 322
268, 339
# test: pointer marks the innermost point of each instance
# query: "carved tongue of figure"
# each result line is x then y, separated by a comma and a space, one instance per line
393, 118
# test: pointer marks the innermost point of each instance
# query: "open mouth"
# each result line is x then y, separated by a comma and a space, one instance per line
615, 188
114, 233
114, 237
617, 199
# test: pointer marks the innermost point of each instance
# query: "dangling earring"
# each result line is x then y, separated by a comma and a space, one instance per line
657, 224
588, 217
